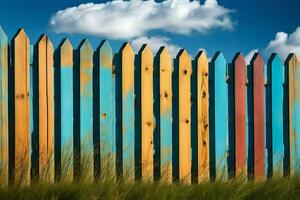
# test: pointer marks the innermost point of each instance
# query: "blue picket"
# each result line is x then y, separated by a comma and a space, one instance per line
218, 117
274, 114
86, 110
107, 116
64, 136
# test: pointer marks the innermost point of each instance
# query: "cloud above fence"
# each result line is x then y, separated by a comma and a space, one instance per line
155, 42
285, 43
120, 19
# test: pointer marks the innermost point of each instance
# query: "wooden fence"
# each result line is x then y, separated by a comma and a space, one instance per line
88, 114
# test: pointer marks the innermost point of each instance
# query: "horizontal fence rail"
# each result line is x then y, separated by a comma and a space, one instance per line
75, 113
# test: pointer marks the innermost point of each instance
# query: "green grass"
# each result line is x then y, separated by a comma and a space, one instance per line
282, 188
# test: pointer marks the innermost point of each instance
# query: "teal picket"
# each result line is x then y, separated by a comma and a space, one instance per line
107, 116
274, 114
64, 102
86, 110
218, 117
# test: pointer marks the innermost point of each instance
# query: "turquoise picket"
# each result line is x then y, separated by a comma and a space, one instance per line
274, 115
107, 116
218, 117
64, 104
3, 108
86, 110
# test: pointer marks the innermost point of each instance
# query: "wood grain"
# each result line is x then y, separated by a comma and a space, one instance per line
21, 60
46, 109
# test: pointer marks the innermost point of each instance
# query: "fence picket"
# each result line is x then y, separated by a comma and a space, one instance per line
147, 113
184, 71
201, 62
163, 71
256, 165
46, 108
85, 91
21, 131
274, 114
293, 69
218, 113
128, 110
237, 84
64, 135
3, 108
107, 115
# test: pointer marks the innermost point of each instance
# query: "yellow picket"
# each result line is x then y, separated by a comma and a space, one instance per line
184, 114
203, 117
21, 108
46, 109
147, 118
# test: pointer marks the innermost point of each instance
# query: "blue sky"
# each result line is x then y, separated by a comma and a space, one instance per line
227, 25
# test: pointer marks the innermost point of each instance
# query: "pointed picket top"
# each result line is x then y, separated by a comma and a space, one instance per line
66, 44
201, 59
146, 50
184, 61
275, 58
127, 48
218, 57
292, 59
257, 60
86, 54
163, 51
85, 45
165, 57
201, 55
66, 53
105, 46
239, 58
106, 54
2, 35
183, 53
20, 34
276, 62
44, 39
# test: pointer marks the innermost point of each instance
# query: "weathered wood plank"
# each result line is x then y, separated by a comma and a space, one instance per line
165, 69
274, 106
257, 120
3, 108
239, 90
107, 115
86, 111
147, 113
21, 59
293, 70
128, 107
184, 71
202, 116
218, 112
46, 108
66, 111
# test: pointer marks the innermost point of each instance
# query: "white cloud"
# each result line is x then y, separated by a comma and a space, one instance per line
285, 44
250, 55
155, 43
120, 19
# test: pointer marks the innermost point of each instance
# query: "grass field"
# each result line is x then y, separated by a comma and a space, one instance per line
235, 189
